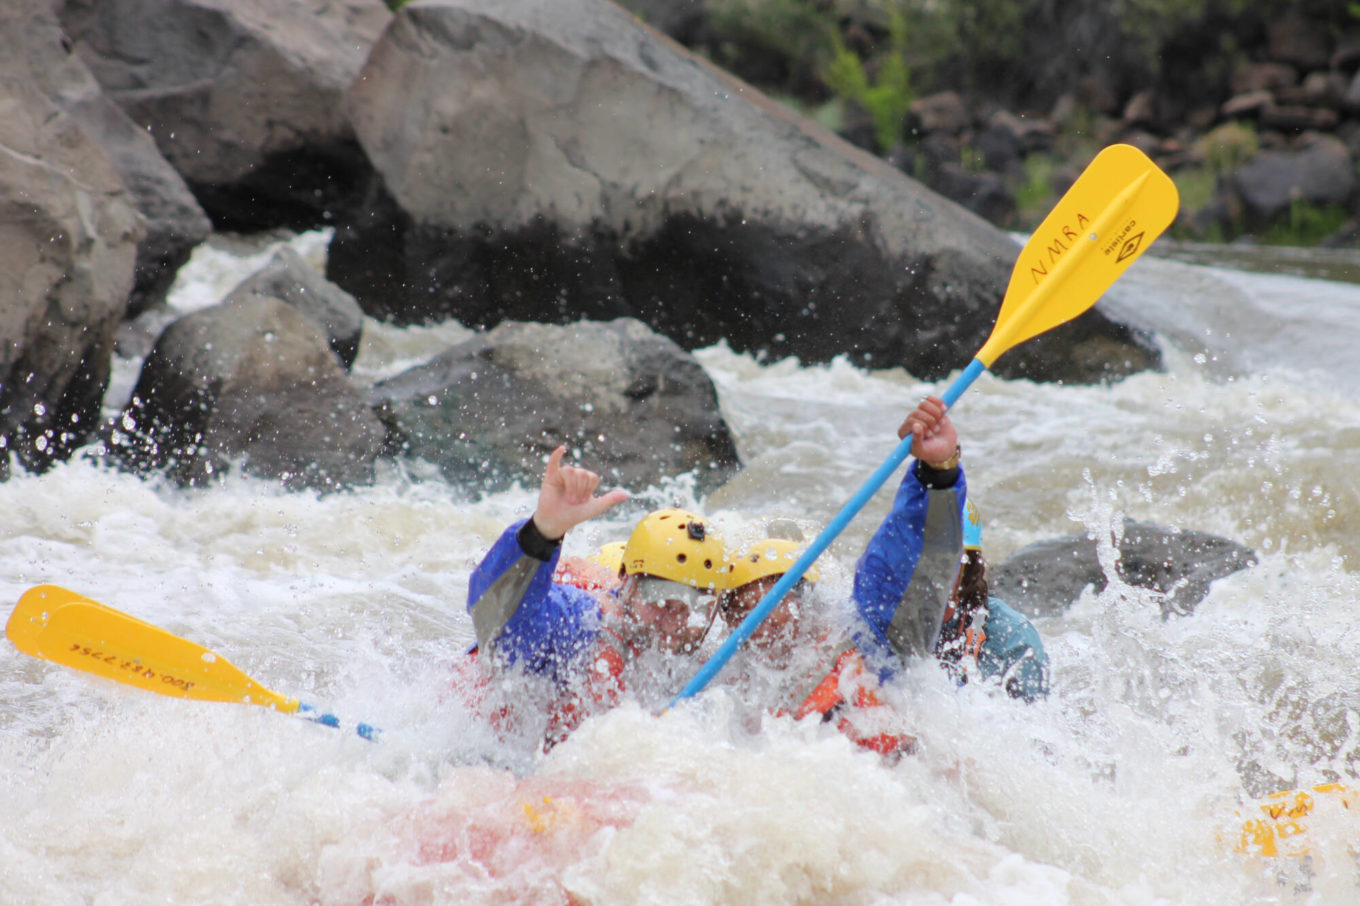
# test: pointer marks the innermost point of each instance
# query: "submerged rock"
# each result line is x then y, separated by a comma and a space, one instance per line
1047, 577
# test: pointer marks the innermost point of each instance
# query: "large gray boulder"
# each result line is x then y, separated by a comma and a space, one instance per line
243, 97
488, 411
70, 239
35, 48
175, 224
550, 160
1047, 577
251, 381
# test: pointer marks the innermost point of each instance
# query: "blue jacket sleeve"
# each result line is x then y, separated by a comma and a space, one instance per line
522, 617
903, 579
1013, 651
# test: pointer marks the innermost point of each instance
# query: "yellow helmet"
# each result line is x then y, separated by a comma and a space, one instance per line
676, 545
610, 556
771, 557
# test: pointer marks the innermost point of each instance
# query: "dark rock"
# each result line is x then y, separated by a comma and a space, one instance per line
1144, 110
984, 193
1250, 78
942, 112
1345, 58
550, 160
1320, 170
1097, 92
1006, 138
684, 20
1297, 119
296, 282
1247, 104
243, 99
488, 411
1351, 99
1047, 577
1299, 40
252, 381
1318, 89
938, 149
999, 145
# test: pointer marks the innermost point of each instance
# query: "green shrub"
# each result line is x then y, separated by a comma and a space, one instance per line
1224, 149
885, 93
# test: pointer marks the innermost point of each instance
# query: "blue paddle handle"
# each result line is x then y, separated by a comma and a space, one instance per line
814, 550
307, 712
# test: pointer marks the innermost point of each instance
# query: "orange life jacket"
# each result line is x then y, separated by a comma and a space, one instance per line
829, 699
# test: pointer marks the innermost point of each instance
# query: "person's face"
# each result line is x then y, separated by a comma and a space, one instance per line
668, 615
781, 626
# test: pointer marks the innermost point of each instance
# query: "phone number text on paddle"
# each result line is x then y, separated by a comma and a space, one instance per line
132, 667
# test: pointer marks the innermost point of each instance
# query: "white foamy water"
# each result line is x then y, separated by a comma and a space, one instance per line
1123, 788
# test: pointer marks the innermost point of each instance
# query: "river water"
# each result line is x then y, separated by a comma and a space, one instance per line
1127, 786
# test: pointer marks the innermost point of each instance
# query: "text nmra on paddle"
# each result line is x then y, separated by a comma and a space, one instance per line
131, 667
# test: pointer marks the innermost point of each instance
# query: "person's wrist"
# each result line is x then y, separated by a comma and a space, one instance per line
533, 542
944, 465
547, 529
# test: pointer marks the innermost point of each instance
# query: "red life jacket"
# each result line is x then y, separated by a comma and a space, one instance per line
602, 689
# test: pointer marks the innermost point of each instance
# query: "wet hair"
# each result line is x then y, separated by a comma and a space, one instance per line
969, 607
973, 590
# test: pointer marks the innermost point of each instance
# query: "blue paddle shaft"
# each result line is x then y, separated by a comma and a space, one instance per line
814, 550
308, 712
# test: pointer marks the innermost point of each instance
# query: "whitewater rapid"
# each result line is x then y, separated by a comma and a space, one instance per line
1125, 787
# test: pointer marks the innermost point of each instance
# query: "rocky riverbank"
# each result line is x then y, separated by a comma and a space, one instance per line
1256, 114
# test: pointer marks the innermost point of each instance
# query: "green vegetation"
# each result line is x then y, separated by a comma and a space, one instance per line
1034, 193
1307, 224
886, 95
1226, 148
775, 44
1196, 185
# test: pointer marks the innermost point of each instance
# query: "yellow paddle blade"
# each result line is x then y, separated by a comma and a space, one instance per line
1279, 824
61, 626
1112, 213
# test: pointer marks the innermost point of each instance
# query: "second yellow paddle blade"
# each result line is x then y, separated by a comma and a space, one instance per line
61, 626
1110, 215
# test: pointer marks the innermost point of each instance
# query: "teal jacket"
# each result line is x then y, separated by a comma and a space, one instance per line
1011, 651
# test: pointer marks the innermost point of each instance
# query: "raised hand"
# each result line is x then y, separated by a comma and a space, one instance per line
567, 497
934, 438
